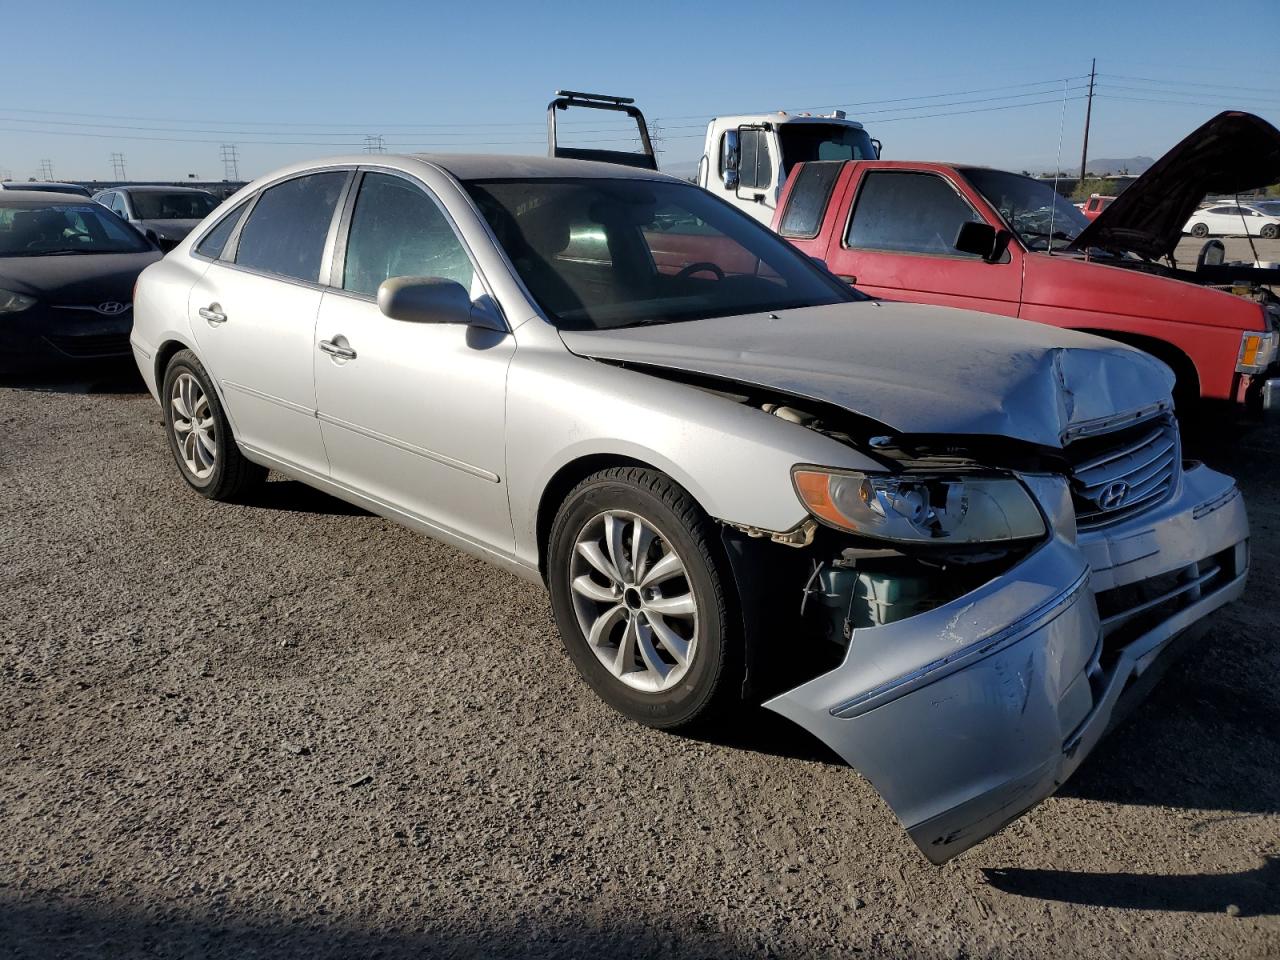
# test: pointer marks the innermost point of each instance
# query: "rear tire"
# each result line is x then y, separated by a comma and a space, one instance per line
1199, 230
1269, 231
199, 435
642, 597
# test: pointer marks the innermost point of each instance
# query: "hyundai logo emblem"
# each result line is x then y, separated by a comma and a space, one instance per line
112, 307
1114, 495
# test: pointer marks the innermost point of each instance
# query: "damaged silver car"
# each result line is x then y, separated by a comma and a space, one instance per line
948, 546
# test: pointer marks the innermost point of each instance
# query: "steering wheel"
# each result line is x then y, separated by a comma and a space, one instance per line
698, 267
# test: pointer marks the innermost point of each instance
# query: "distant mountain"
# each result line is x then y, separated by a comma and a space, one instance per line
1106, 167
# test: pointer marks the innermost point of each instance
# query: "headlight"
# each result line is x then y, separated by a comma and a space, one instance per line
1257, 351
950, 508
11, 302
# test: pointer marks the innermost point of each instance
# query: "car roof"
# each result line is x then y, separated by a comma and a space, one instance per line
481, 166
152, 188
44, 198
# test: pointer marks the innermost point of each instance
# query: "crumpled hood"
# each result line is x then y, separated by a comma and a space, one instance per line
79, 279
173, 229
917, 369
1231, 153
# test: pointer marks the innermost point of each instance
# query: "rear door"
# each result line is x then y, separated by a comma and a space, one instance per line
898, 242
254, 315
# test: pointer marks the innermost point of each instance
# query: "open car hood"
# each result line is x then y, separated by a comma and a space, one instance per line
1231, 153
916, 369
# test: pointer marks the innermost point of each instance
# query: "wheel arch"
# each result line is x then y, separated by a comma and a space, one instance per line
564, 480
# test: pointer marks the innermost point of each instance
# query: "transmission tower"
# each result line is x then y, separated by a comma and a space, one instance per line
230, 161
46, 169
117, 166
374, 144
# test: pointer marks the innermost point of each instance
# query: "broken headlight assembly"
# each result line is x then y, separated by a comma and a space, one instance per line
904, 508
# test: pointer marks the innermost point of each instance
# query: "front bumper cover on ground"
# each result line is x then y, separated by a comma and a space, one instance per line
966, 716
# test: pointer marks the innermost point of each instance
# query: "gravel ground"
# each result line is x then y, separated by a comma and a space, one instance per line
293, 729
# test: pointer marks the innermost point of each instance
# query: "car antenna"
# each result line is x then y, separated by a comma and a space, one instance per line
1247, 235
1057, 169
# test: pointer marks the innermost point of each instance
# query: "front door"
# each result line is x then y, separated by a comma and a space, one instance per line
899, 243
253, 314
412, 414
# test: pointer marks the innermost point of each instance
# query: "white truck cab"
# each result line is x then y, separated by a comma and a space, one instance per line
746, 158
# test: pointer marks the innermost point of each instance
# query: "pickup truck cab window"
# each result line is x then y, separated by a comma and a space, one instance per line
908, 212
399, 231
286, 232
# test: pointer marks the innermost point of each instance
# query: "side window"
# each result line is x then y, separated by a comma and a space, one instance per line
755, 169
908, 213
286, 231
808, 199
1093, 203
117, 205
214, 241
399, 231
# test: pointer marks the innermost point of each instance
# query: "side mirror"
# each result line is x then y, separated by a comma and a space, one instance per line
729, 160
424, 300
983, 240
166, 243
879, 146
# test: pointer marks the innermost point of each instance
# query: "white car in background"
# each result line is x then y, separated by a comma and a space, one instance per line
1238, 220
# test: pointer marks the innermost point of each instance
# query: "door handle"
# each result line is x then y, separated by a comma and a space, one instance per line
339, 350
213, 313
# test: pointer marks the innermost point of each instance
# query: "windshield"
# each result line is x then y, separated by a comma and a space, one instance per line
30, 231
604, 253
804, 142
1032, 209
152, 205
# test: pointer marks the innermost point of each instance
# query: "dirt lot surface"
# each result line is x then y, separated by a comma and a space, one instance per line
293, 729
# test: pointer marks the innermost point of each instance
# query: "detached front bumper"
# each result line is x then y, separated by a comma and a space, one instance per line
966, 716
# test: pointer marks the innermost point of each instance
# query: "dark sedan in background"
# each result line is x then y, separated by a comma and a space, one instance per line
163, 214
67, 270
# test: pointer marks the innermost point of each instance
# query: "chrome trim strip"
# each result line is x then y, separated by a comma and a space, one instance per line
128, 308
978, 650
1107, 424
259, 395
475, 471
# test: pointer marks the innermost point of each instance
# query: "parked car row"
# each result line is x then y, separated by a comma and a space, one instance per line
946, 543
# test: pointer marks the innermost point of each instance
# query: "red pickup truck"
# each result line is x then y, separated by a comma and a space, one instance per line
1001, 243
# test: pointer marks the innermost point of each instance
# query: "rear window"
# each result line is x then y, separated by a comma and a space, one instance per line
286, 232
179, 205
808, 199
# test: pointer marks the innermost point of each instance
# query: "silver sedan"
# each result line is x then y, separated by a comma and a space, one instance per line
944, 543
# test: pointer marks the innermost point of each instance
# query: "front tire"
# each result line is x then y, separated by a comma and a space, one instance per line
1269, 231
642, 597
1200, 230
199, 435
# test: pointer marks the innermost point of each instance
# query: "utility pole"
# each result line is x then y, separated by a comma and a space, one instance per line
374, 144
1088, 113
46, 169
117, 166
230, 162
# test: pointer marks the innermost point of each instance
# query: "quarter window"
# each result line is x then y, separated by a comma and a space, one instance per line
285, 233
808, 199
216, 239
399, 231
908, 213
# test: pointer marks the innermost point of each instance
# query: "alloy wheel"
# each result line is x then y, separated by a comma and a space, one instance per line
634, 601
194, 427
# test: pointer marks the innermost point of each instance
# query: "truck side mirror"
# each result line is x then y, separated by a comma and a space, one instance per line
879, 146
729, 160
983, 240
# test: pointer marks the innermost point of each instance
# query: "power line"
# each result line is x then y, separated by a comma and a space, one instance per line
1189, 83
957, 113
1231, 98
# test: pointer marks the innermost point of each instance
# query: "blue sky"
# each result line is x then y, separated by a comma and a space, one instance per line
286, 81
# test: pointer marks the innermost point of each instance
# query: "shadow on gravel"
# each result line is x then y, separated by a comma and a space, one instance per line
122, 377
290, 496
72, 930
761, 731
1255, 892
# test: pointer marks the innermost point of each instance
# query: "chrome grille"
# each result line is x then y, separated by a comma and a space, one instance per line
1120, 474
